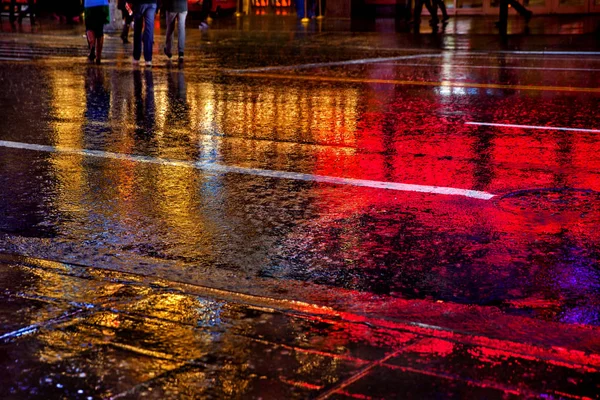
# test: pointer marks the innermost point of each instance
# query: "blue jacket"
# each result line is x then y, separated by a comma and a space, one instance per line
94, 3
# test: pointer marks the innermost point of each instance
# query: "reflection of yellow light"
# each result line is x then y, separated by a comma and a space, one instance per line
68, 93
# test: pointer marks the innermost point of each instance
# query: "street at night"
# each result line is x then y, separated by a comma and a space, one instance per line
302, 212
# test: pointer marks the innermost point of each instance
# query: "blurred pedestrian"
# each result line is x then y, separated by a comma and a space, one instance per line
144, 12
29, 10
96, 16
204, 14
442, 6
503, 22
431, 7
127, 14
175, 10
69, 10
305, 8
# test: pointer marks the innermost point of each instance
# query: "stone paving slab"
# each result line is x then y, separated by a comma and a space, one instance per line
78, 332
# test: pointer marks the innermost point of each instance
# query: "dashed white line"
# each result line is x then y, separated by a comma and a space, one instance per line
14, 59
334, 63
467, 66
548, 128
218, 168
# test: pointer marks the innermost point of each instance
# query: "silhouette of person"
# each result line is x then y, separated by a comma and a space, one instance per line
29, 10
431, 7
442, 6
503, 22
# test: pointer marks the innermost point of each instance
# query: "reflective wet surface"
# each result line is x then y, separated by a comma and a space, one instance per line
280, 217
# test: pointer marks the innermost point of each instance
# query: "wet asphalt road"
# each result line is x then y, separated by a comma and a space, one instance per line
275, 171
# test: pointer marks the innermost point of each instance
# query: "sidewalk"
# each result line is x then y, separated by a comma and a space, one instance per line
475, 33
578, 24
79, 332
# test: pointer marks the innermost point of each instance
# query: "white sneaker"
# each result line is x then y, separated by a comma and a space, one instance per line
149, 64
135, 62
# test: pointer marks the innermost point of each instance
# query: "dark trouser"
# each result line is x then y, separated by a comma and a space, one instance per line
128, 19
442, 6
206, 6
171, 17
504, 12
30, 10
310, 8
143, 16
432, 8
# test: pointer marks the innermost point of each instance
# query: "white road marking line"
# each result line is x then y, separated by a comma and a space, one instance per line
333, 63
218, 168
492, 67
549, 128
14, 59
551, 57
545, 52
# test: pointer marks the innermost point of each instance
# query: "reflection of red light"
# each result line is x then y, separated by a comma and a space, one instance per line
408, 138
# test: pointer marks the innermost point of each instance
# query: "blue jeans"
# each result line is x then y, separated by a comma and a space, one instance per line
310, 8
171, 17
143, 13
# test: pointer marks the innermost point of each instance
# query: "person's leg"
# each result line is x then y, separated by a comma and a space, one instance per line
170, 19
300, 8
126, 21
181, 32
13, 4
503, 15
138, 24
32, 10
91, 38
148, 36
29, 10
442, 6
418, 10
432, 7
520, 9
204, 13
206, 9
99, 45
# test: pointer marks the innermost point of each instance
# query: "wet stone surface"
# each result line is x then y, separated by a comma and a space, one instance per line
158, 341
303, 213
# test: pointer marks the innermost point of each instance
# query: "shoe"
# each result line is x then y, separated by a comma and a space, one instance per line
528, 16
135, 62
203, 26
445, 18
168, 54
180, 59
98, 61
92, 55
149, 64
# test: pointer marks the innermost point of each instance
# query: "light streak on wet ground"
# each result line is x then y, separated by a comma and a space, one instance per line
206, 225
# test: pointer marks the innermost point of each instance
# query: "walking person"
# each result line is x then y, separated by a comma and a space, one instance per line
503, 23
29, 10
96, 16
144, 12
442, 6
431, 6
127, 14
175, 10
204, 14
